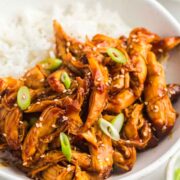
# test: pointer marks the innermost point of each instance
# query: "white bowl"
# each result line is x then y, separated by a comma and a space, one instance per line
146, 13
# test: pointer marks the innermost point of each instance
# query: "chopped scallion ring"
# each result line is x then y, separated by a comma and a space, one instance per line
66, 80
108, 129
116, 55
51, 63
118, 122
177, 174
65, 145
23, 97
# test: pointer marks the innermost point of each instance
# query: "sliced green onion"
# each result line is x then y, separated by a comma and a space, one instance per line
116, 55
118, 122
66, 80
65, 146
108, 129
177, 174
23, 97
51, 63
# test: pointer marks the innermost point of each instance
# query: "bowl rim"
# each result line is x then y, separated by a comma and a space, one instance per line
172, 150
151, 167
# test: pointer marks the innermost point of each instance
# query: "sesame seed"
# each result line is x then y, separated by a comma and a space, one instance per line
54, 126
122, 71
165, 89
164, 128
99, 79
98, 157
156, 108
146, 103
107, 159
172, 91
150, 130
41, 80
41, 118
160, 50
42, 156
67, 50
37, 102
134, 36
20, 122
128, 141
73, 58
68, 43
55, 100
64, 90
65, 118
145, 134
140, 140
15, 105
4, 134
76, 51
94, 48
24, 163
69, 169
80, 46
153, 129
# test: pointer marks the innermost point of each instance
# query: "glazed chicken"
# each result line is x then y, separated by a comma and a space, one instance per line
86, 113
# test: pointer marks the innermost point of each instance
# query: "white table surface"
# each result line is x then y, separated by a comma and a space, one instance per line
173, 6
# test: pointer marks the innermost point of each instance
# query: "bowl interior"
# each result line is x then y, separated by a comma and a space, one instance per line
135, 13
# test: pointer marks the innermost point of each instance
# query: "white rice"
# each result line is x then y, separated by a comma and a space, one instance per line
27, 37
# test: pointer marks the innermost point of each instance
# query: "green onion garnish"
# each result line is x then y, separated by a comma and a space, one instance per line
51, 63
177, 174
116, 55
23, 97
65, 145
118, 122
65, 79
109, 129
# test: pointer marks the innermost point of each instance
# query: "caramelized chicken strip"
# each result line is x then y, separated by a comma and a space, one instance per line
34, 78
138, 47
68, 49
43, 127
102, 154
99, 93
73, 111
159, 107
81, 159
165, 44
11, 128
137, 129
41, 105
58, 172
84, 175
55, 82
124, 158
